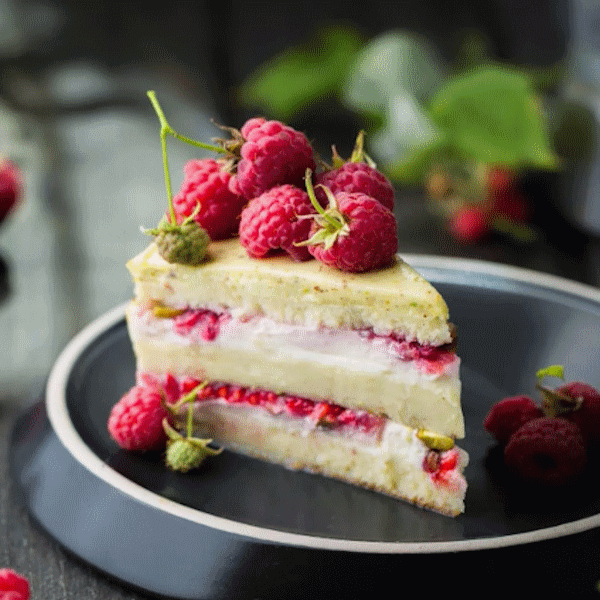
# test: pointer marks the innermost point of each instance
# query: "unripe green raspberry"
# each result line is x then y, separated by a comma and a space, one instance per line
183, 455
186, 453
185, 244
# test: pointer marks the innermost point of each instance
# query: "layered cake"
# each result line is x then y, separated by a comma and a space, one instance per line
353, 376
277, 319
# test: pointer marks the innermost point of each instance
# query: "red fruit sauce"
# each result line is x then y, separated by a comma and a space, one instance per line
323, 414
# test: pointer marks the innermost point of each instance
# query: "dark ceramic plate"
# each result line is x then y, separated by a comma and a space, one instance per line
237, 524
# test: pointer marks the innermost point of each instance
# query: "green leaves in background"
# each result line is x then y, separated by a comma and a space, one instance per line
391, 78
484, 112
492, 115
299, 77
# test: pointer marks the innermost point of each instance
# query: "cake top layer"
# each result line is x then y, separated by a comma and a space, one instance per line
394, 299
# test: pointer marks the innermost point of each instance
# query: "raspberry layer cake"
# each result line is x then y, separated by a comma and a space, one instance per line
350, 375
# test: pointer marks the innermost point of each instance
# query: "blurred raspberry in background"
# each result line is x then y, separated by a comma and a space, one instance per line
10, 187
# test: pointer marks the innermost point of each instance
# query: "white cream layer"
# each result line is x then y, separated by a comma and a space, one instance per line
337, 348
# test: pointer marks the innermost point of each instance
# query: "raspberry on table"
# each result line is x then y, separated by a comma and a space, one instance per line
206, 183
365, 240
356, 177
546, 450
272, 154
10, 187
270, 222
587, 414
135, 421
13, 586
509, 414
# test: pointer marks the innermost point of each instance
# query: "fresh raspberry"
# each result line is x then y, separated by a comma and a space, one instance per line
135, 421
272, 154
10, 187
363, 239
13, 586
587, 415
469, 224
512, 205
206, 182
508, 415
356, 177
270, 222
547, 450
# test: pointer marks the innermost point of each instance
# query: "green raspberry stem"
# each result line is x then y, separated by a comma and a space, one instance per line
166, 129
333, 222
190, 421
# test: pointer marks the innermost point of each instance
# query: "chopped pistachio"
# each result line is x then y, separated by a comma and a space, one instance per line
435, 441
166, 312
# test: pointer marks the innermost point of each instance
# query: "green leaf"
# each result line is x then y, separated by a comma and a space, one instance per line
493, 115
551, 371
394, 62
291, 82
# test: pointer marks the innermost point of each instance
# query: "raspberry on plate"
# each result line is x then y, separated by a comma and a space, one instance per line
546, 450
586, 413
272, 154
205, 188
135, 421
509, 414
271, 222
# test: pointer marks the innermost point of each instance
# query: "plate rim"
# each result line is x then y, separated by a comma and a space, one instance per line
64, 429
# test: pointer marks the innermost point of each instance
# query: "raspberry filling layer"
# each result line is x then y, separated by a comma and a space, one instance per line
319, 414
442, 467
204, 325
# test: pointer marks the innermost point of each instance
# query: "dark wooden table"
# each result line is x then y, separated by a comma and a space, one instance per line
92, 178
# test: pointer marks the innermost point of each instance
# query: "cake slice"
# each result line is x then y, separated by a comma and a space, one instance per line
354, 376
306, 340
